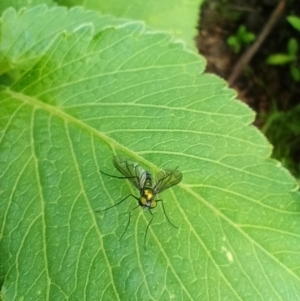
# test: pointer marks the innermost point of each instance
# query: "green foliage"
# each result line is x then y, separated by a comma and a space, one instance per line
17, 4
242, 38
78, 87
283, 130
294, 21
291, 57
178, 17
284, 58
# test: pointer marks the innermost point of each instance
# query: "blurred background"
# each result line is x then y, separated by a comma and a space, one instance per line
255, 46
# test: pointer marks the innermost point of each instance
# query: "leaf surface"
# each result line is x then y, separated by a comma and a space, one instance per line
81, 89
178, 17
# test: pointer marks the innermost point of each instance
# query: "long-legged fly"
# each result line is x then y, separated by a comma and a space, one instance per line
142, 180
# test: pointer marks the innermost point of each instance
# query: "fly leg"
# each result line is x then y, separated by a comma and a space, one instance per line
166, 213
118, 203
147, 229
129, 217
117, 177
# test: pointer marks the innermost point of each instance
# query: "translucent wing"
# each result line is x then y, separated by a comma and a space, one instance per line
131, 170
166, 179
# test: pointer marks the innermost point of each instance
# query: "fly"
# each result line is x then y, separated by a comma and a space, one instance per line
142, 180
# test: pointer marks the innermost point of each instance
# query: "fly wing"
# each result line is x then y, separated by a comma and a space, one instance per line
130, 170
167, 178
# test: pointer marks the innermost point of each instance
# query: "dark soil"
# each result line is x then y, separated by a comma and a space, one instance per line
263, 87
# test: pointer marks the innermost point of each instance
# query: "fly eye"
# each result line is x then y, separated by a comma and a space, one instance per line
153, 204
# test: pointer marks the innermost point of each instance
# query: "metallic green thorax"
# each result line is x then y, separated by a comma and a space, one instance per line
147, 193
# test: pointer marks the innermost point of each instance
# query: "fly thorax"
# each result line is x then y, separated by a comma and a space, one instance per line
147, 198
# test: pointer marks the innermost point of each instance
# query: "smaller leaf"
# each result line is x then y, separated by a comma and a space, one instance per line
295, 73
250, 37
294, 21
233, 42
292, 46
244, 35
280, 59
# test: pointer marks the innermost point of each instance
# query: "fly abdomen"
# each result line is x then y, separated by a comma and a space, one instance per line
148, 181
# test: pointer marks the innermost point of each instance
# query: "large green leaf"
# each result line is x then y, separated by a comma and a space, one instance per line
77, 89
17, 4
178, 17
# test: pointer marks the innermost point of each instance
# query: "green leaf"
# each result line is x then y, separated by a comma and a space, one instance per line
292, 47
17, 4
244, 35
234, 43
94, 87
294, 21
241, 38
280, 59
295, 73
178, 17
